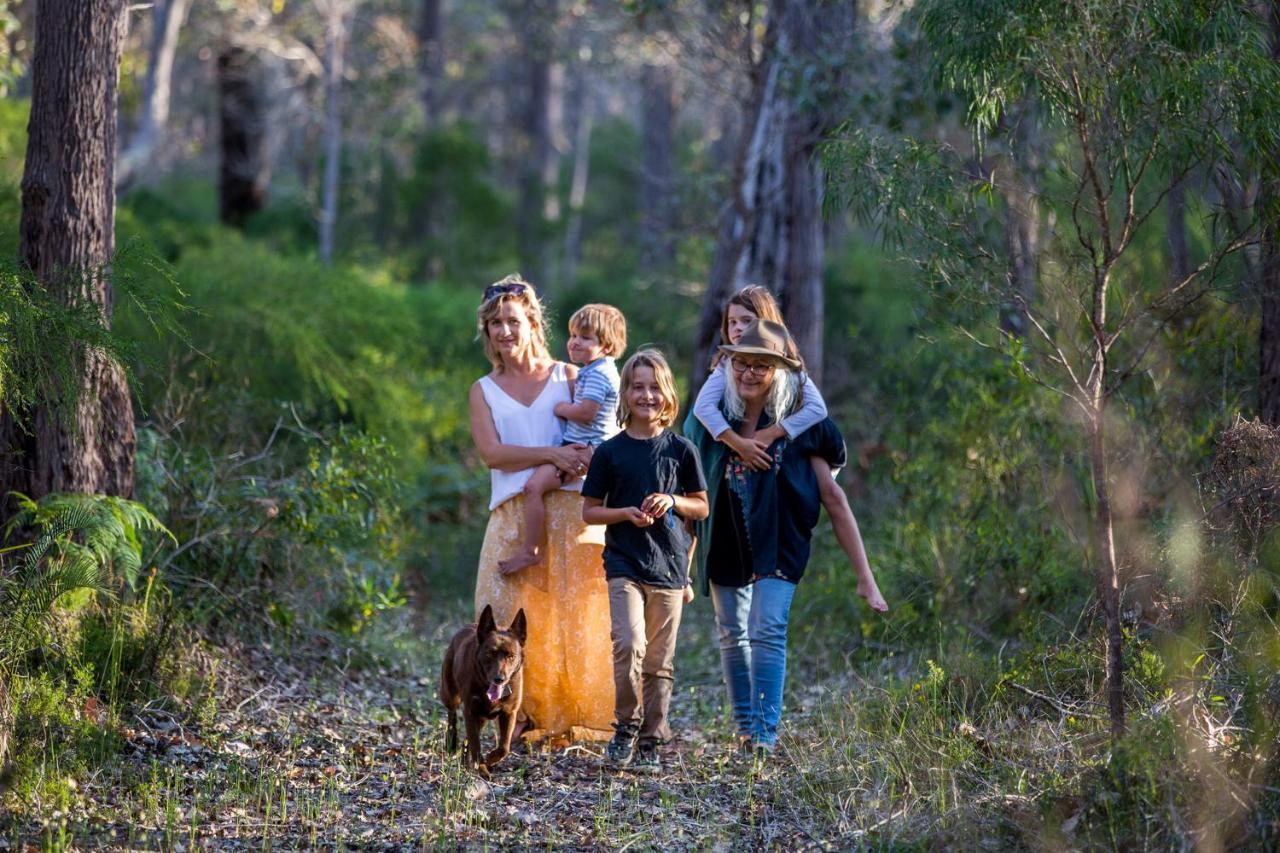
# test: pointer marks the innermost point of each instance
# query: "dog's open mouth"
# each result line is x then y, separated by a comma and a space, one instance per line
495, 691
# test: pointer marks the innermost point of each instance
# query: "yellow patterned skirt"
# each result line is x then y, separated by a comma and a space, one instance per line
568, 672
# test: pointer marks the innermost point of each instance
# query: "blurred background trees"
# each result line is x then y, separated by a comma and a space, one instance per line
1028, 249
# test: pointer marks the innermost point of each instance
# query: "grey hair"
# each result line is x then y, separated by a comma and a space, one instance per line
782, 394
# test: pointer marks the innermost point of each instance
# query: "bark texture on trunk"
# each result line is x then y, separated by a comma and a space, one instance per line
657, 182
771, 233
167, 17
1269, 286
535, 148
1269, 333
1176, 209
431, 61
242, 172
584, 116
1108, 571
335, 42
1022, 230
67, 236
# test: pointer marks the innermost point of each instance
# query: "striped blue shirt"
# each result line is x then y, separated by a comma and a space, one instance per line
598, 382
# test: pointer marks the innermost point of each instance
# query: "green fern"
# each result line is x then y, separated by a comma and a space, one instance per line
81, 542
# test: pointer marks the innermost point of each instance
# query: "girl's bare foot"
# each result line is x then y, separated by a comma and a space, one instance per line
867, 589
522, 560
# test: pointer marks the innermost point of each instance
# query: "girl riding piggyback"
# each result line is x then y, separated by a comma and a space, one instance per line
745, 307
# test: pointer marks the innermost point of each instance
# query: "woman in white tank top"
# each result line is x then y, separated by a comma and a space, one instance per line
568, 676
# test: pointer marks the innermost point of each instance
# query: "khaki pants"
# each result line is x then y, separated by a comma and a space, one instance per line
645, 620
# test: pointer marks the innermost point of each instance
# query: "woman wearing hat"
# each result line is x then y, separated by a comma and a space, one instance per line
753, 547
568, 672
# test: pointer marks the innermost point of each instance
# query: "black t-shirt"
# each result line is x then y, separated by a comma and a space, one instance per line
624, 471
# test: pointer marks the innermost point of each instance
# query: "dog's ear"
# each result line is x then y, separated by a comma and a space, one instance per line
486, 625
519, 627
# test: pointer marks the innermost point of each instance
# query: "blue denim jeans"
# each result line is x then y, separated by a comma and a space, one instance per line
753, 652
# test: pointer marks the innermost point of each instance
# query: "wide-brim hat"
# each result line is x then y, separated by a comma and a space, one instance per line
767, 338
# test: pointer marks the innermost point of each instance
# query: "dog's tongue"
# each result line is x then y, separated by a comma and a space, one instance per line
495, 692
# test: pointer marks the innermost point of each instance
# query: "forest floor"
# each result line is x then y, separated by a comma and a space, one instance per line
297, 749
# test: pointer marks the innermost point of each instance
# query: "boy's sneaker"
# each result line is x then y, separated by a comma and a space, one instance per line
646, 759
621, 749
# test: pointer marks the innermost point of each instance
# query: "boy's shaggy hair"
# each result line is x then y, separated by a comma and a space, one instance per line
532, 309
655, 361
604, 322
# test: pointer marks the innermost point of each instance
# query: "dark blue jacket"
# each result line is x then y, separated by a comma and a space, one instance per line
781, 505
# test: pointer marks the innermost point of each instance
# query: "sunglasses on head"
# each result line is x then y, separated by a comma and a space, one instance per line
515, 288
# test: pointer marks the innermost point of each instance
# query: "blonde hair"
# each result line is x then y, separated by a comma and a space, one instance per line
606, 323
490, 308
655, 361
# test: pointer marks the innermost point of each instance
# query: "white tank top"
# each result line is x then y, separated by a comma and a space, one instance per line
535, 425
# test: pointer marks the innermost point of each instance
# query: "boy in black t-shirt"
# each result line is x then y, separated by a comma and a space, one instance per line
644, 483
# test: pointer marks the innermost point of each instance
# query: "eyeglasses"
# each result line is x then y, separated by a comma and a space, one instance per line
515, 288
759, 368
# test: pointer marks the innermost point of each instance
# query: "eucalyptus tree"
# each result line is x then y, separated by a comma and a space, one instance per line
771, 226
67, 238
1269, 283
1136, 94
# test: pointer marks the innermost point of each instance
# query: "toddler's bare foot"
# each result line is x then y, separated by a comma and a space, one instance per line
868, 589
522, 560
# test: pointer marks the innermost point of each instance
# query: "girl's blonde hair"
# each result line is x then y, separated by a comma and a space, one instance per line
761, 303
528, 299
655, 361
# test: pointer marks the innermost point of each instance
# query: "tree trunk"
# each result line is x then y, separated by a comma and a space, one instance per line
67, 236
335, 41
1269, 287
167, 17
431, 74
578, 186
431, 62
1269, 334
1176, 208
657, 184
535, 148
1022, 227
774, 235
1108, 574
242, 175
735, 226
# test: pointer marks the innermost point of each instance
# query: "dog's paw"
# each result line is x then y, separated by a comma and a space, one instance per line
491, 760
482, 770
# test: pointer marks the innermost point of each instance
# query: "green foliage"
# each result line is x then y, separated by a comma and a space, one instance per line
340, 343
471, 232
284, 532
55, 740
93, 542
13, 128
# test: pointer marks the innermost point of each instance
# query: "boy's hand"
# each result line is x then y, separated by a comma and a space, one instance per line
688, 594
658, 503
637, 516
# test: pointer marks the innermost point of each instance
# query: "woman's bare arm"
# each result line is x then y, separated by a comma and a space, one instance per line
513, 457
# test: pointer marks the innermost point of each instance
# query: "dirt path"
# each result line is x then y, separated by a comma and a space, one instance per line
352, 757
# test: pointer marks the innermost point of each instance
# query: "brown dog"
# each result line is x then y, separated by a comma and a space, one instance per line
482, 674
